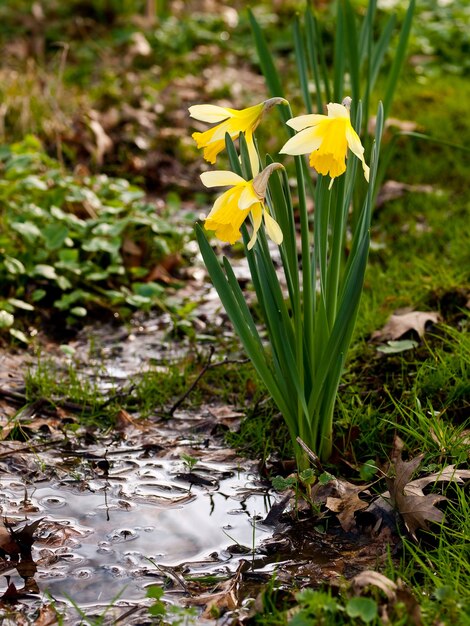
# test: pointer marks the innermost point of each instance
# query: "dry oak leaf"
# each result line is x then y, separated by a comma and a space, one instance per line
415, 508
404, 321
448, 474
347, 502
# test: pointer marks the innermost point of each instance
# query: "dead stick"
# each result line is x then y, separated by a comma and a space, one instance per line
207, 366
195, 382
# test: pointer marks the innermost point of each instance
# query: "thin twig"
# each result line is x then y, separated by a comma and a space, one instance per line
312, 456
207, 366
194, 383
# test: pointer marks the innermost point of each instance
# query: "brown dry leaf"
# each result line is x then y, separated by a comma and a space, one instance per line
47, 616
403, 125
412, 606
227, 415
370, 577
346, 502
415, 508
139, 46
449, 474
224, 596
392, 189
103, 142
7, 541
124, 420
404, 321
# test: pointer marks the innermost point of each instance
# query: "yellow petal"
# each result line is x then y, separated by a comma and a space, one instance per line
256, 213
305, 141
209, 113
253, 154
248, 197
356, 148
305, 121
212, 150
225, 217
327, 163
202, 139
222, 178
273, 229
224, 232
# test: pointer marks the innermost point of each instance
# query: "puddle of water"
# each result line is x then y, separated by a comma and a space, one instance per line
98, 534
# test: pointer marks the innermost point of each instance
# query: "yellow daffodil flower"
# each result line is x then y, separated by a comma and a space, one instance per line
233, 206
327, 139
232, 122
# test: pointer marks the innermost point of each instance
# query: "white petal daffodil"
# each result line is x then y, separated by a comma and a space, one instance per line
233, 206
327, 139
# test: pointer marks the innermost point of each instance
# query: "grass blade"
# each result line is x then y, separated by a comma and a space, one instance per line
302, 65
399, 58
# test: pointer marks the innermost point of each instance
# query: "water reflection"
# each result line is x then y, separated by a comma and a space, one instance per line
94, 538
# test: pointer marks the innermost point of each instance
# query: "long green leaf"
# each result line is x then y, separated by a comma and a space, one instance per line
313, 45
398, 58
380, 48
231, 304
338, 66
266, 61
352, 48
366, 33
302, 65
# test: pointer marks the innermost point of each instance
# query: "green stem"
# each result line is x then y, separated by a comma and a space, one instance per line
336, 255
306, 263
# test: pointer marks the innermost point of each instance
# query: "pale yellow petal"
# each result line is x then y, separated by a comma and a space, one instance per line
219, 210
222, 178
305, 141
356, 148
243, 121
273, 229
256, 213
305, 121
209, 113
229, 126
337, 110
247, 197
253, 154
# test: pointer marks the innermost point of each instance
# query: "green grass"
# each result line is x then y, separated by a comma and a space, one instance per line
151, 393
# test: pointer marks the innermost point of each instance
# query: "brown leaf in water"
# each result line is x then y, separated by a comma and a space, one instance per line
25, 536
7, 541
415, 508
224, 597
11, 592
47, 616
405, 321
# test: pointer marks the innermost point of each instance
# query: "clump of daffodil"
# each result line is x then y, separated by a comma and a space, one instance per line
233, 206
327, 139
230, 121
